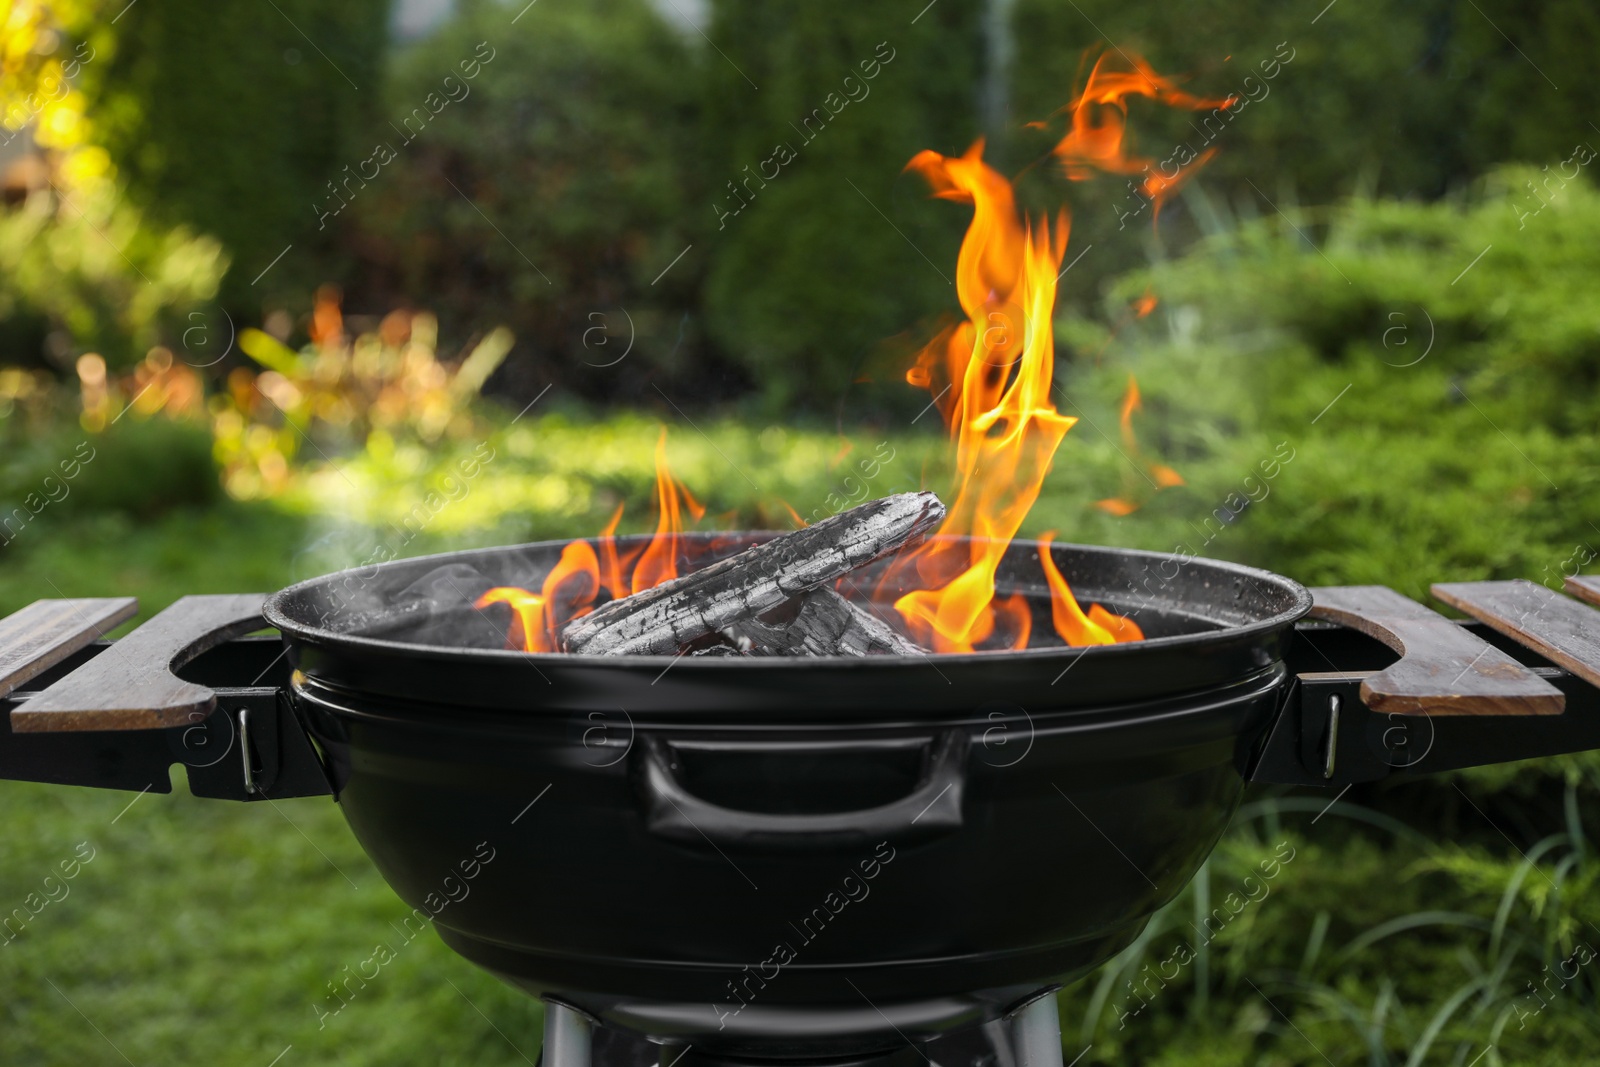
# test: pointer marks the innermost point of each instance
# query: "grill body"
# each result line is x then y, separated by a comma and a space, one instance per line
796, 856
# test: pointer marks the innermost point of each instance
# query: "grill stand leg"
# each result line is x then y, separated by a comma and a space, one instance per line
568, 1036
1030, 1036
1036, 1032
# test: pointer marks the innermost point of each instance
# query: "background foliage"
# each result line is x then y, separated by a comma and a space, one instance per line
551, 196
231, 120
1460, 439
809, 277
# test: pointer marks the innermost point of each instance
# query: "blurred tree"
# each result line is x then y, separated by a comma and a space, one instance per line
43, 51
537, 175
1524, 73
80, 268
1408, 98
233, 118
814, 111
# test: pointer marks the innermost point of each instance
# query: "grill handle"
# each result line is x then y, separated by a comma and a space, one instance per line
931, 809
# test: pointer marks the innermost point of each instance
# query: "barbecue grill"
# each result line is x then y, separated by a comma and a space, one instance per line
786, 859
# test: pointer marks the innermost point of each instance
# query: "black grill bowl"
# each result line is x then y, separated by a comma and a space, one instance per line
819, 851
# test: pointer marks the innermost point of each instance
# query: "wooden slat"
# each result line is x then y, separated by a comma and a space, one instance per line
1443, 669
130, 686
48, 631
1560, 629
1585, 587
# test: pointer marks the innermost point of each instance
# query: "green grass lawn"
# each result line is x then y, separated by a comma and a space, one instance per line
207, 932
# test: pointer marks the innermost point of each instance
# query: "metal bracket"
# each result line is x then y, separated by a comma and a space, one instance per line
257, 723
1309, 743
1325, 735
252, 748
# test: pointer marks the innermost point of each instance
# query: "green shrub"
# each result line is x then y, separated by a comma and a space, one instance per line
138, 467
231, 119
93, 269
1443, 406
1492, 308
811, 276
147, 466
548, 191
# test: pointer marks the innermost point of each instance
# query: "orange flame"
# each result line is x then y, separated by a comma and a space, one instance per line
570, 589
1163, 476
1131, 402
660, 560
991, 375
1117, 505
1000, 365
527, 616
610, 565
1019, 619
1095, 140
537, 618
1098, 627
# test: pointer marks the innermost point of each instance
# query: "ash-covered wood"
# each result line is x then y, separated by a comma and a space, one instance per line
719, 651
755, 581
826, 625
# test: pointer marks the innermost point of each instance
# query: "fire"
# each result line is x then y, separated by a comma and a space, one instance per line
1161, 476
570, 589
1018, 617
1098, 627
1000, 365
660, 560
1095, 140
611, 566
990, 376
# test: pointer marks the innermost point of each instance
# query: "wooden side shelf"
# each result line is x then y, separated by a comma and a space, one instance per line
131, 686
1558, 628
48, 631
1443, 669
1585, 587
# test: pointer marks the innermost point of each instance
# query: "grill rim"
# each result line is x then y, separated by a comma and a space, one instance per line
277, 613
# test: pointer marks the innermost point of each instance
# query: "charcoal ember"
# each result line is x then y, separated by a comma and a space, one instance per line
661, 620
824, 623
719, 650
710, 644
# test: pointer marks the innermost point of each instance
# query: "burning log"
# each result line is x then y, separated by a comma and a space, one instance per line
759, 579
826, 625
